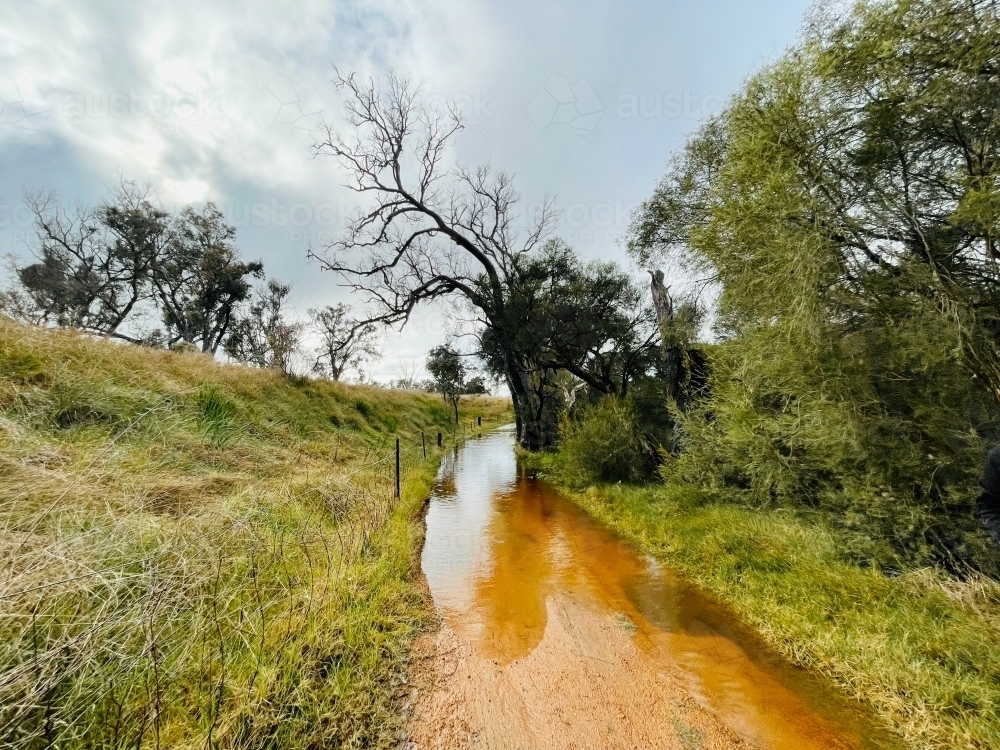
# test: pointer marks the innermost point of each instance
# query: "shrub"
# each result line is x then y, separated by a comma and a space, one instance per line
604, 444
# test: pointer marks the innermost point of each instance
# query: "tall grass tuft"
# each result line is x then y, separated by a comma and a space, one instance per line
217, 413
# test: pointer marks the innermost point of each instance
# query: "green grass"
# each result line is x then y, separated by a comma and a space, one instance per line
920, 649
201, 555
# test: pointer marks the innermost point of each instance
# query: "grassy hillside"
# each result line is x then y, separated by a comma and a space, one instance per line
201, 555
919, 648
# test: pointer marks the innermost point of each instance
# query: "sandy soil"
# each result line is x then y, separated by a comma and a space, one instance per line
586, 685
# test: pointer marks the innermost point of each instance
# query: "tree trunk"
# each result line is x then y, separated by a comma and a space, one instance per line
673, 359
530, 434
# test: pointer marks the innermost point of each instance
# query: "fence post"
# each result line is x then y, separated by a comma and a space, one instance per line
397, 468
439, 440
479, 421
423, 444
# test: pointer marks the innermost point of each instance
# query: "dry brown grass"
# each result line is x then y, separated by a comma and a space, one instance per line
194, 554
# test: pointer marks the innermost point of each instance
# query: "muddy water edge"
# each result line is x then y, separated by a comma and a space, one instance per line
557, 633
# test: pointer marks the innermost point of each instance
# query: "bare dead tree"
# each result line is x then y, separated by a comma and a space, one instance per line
428, 231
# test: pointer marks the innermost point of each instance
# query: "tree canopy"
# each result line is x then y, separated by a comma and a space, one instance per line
846, 203
448, 370
427, 232
344, 342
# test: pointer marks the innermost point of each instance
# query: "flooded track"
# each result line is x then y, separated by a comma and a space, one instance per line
556, 633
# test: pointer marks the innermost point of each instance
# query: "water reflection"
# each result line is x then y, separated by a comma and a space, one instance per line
501, 549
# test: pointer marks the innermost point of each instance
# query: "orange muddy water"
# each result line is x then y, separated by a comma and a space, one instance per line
556, 633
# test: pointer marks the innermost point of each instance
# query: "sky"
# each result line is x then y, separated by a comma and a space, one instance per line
210, 100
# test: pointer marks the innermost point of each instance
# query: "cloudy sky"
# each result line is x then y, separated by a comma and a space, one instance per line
215, 100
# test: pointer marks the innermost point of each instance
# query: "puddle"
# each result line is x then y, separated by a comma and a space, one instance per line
560, 620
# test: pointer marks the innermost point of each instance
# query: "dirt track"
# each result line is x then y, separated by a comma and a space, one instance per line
586, 685
555, 633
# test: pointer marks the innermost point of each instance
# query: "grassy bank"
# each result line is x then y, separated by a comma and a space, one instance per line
920, 648
201, 555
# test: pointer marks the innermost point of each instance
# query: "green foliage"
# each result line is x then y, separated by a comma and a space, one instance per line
448, 370
202, 281
844, 201
345, 342
217, 413
475, 385
604, 444
654, 418
96, 268
566, 320
263, 335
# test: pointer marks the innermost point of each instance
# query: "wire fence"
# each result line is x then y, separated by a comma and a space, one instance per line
120, 630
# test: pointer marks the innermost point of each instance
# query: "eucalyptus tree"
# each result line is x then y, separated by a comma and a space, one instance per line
344, 342
590, 320
448, 370
428, 230
94, 265
203, 280
263, 334
97, 267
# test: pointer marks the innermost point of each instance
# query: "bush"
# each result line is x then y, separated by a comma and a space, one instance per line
604, 444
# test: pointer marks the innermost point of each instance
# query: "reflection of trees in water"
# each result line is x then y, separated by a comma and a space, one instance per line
537, 544
511, 597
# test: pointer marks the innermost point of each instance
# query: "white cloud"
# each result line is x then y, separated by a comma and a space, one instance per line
214, 100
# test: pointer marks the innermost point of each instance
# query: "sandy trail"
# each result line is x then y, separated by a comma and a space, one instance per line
586, 685
555, 633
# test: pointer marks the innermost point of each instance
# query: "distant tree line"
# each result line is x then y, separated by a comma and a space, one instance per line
103, 269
